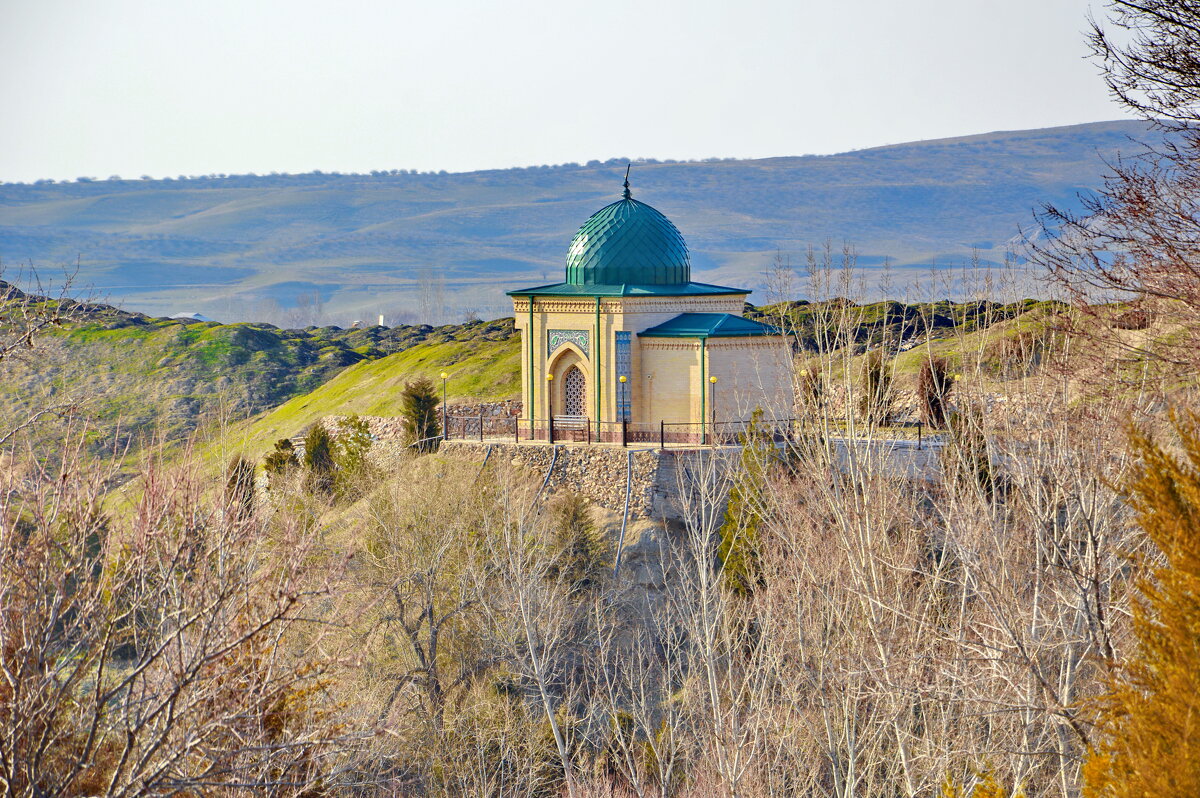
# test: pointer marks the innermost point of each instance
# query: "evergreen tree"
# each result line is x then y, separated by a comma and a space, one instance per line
582, 550
354, 472
353, 443
738, 550
419, 406
281, 460
1150, 715
965, 461
319, 460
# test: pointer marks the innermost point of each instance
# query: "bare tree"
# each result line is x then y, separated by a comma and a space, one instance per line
424, 620
635, 677
908, 630
24, 319
309, 310
431, 300
540, 626
159, 651
1137, 240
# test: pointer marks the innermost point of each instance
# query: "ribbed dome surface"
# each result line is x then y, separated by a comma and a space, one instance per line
628, 242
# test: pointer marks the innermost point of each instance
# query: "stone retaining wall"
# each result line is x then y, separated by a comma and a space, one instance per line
507, 408
390, 428
660, 478
598, 472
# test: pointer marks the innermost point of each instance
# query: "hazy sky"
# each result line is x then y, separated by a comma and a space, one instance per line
169, 87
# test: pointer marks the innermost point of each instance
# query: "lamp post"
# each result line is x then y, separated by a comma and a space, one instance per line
622, 379
550, 402
648, 398
712, 401
445, 430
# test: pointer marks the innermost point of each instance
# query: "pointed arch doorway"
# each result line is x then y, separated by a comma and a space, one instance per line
570, 387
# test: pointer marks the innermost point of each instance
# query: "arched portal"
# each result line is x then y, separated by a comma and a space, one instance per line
568, 386
574, 392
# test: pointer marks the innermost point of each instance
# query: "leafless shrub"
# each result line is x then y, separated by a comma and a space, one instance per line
24, 320
914, 621
934, 383
1018, 354
1138, 238
159, 650
1134, 318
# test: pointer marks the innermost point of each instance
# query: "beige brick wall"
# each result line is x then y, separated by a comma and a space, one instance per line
750, 372
671, 369
555, 314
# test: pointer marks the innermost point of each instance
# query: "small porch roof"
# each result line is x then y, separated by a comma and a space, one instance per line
709, 325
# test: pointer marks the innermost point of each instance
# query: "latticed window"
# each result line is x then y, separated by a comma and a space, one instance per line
574, 392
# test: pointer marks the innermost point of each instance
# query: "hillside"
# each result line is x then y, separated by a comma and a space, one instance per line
313, 248
479, 371
135, 375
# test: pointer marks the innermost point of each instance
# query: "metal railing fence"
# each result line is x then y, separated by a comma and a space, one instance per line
580, 429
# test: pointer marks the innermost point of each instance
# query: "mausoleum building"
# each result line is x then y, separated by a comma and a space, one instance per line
629, 336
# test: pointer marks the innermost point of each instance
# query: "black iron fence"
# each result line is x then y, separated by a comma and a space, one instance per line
578, 429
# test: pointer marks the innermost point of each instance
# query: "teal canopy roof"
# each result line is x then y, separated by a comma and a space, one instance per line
628, 249
628, 242
709, 325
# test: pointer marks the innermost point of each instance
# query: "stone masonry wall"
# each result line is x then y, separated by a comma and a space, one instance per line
384, 428
596, 472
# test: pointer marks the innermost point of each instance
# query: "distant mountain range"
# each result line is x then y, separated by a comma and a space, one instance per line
328, 248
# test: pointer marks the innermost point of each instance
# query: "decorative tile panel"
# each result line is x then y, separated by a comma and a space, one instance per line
557, 338
623, 392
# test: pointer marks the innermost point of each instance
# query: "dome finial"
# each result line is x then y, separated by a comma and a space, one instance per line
627, 168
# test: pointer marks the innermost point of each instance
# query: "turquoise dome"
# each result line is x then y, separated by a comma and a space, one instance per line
628, 243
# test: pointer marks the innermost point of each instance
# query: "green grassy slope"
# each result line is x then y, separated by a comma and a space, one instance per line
135, 376
159, 377
486, 370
